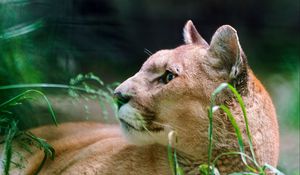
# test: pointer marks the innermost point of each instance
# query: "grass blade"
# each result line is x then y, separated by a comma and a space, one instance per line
49, 151
170, 152
243, 173
23, 96
273, 170
171, 159
211, 110
172, 156
232, 153
21, 29
8, 146
242, 105
210, 127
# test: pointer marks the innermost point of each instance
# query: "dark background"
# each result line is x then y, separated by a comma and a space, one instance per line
104, 35
54, 40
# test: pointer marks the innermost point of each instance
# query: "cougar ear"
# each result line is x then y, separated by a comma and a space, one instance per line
226, 49
191, 35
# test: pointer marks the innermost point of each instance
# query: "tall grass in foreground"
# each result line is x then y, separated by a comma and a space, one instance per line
10, 131
82, 86
210, 168
9, 126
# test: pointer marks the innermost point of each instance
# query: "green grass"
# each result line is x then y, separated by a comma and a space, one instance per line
88, 84
210, 168
82, 86
10, 131
176, 169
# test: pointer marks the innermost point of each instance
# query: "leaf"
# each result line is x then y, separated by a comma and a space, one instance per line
273, 169
6, 117
237, 130
243, 173
232, 153
213, 108
172, 155
42, 144
21, 29
95, 78
178, 169
171, 159
12, 131
49, 151
23, 96
242, 105
203, 169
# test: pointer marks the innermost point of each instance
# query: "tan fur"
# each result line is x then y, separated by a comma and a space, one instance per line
156, 108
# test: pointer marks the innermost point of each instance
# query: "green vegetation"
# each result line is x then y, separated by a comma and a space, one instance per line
209, 168
9, 129
51, 41
9, 126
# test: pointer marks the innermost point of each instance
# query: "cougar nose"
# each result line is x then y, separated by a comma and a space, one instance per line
121, 99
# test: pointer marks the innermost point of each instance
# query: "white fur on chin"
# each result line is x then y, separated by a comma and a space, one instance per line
138, 136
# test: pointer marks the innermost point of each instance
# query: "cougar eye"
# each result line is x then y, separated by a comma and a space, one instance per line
167, 77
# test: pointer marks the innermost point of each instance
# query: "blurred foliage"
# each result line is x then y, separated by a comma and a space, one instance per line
74, 36
52, 40
284, 87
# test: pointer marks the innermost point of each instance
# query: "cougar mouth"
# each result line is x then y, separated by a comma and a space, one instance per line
128, 126
132, 119
146, 127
